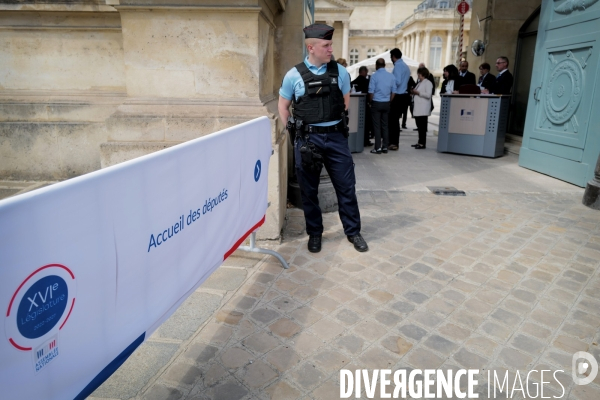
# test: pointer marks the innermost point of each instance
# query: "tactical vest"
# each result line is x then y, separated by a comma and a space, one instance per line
323, 100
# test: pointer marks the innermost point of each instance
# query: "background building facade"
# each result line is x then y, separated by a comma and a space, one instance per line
426, 31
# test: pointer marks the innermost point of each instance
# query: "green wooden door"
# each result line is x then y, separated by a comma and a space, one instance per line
562, 127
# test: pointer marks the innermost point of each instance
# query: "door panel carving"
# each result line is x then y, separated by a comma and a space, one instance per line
561, 137
570, 6
562, 106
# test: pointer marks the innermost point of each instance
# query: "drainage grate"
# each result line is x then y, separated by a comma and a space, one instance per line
446, 191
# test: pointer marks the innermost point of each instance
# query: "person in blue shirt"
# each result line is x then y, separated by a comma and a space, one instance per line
399, 106
381, 93
318, 90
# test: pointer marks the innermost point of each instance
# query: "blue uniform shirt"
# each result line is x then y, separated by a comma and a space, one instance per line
294, 85
401, 73
382, 84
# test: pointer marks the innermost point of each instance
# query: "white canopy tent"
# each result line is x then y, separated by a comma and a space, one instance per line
370, 64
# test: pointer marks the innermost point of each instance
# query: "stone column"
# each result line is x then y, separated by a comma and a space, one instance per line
411, 43
417, 48
591, 196
427, 45
413, 51
345, 39
449, 49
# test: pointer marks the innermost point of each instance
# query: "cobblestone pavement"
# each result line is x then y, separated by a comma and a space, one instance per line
502, 279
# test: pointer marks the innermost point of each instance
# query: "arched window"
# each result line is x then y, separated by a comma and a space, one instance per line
435, 52
371, 53
353, 56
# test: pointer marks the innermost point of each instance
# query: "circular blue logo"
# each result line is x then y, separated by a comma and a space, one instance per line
257, 169
42, 306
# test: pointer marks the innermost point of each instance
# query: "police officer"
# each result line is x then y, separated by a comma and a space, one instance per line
318, 90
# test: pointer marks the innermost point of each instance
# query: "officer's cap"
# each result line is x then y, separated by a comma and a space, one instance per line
318, 31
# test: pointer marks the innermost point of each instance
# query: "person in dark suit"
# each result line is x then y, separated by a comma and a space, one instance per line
361, 83
486, 80
467, 78
504, 79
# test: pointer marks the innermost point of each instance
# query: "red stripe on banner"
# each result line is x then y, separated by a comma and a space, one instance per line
17, 346
241, 240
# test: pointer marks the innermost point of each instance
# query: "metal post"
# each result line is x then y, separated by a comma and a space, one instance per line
460, 40
253, 249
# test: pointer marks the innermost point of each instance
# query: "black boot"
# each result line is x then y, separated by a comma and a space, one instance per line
314, 243
359, 242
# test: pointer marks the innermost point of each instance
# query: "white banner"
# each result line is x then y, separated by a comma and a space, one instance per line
91, 266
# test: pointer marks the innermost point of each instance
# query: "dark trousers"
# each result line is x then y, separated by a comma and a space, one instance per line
404, 108
398, 106
394, 120
422, 128
368, 125
340, 167
380, 111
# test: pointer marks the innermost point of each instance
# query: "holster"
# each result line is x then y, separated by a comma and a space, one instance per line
291, 128
311, 159
345, 120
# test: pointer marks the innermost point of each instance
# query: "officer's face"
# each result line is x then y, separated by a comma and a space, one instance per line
464, 66
321, 50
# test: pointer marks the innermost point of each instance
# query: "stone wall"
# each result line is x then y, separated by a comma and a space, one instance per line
88, 84
500, 30
61, 76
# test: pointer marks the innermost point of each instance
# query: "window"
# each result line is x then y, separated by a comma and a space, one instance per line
371, 53
435, 52
353, 56
442, 4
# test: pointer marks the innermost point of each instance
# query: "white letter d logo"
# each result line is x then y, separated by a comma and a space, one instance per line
581, 363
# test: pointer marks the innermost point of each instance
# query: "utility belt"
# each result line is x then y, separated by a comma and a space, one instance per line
311, 158
323, 129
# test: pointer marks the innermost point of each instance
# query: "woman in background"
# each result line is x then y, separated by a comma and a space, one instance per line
451, 80
422, 105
